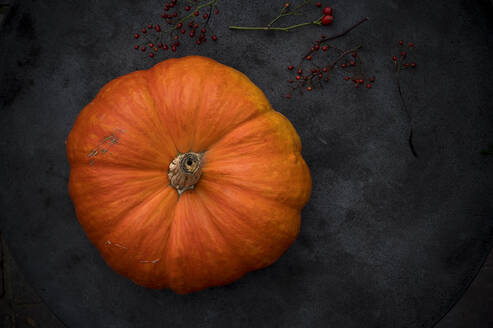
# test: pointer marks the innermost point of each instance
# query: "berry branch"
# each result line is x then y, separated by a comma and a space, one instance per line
317, 74
399, 65
169, 38
289, 10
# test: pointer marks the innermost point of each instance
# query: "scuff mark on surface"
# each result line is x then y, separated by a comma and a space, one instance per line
105, 145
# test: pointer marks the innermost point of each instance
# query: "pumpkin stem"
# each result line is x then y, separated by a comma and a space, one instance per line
185, 171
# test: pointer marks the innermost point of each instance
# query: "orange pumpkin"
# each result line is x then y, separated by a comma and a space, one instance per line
184, 177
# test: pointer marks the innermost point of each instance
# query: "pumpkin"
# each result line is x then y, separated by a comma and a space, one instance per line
184, 177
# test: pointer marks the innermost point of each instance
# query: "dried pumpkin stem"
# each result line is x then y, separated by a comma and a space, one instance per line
185, 171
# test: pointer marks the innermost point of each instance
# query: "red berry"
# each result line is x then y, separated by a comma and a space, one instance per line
151, 45
372, 79
187, 8
316, 47
411, 45
165, 47
143, 49
401, 42
413, 65
158, 28
175, 14
298, 77
179, 25
149, 26
325, 48
308, 57
343, 65
352, 63
217, 11
151, 55
190, 24
156, 49
166, 8
394, 58
176, 37
368, 86
171, 5
361, 81
136, 47
192, 33
173, 48
196, 13
198, 42
290, 67
204, 16
309, 88
325, 69
318, 4
183, 31
195, 25
403, 54
354, 54
164, 15
328, 11
136, 35
347, 78
214, 37
203, 30
300, 71
314, 70
288, 96
160, 45
327, 20
406, 65
144, 30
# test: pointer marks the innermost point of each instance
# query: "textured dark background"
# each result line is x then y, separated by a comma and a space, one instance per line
387, 240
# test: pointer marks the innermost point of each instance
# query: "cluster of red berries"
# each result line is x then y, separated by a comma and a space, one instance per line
400, 61
327, 18
155, 38
355, 67
308, 79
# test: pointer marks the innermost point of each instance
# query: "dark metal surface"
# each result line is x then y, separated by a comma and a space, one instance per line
386, 240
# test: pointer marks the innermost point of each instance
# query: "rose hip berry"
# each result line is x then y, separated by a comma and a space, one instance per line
318, 4
328, 11
327, 20
290, 67
325, 48
214, 37
136, 35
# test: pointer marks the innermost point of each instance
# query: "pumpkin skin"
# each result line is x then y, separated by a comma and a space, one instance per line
242, 214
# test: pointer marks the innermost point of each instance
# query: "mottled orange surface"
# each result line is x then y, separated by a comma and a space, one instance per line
243, 213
